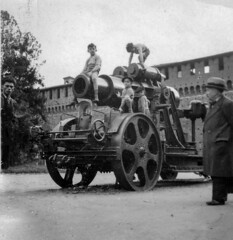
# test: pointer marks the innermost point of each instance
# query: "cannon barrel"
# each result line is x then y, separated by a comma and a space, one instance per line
110, 85
108, 88
82, 86
120, 71
137, 72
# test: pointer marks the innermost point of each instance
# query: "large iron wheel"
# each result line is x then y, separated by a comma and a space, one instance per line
65, 177
139, 159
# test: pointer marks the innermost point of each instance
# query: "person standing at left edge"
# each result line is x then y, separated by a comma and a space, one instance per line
218, 141
92, 68
7, 118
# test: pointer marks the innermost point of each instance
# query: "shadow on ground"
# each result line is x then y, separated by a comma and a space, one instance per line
108, 188
112, 188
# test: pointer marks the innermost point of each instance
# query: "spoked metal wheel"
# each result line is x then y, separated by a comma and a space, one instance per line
139, 159
67, 177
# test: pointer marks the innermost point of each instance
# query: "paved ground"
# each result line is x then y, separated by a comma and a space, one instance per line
32, 207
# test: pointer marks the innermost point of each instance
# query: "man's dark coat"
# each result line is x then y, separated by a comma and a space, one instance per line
7, 118
218, 139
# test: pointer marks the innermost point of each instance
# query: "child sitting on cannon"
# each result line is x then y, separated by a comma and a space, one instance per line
127, 96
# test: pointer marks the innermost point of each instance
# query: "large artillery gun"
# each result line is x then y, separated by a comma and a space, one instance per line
136, 147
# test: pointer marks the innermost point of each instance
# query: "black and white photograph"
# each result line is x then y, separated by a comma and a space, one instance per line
116, 120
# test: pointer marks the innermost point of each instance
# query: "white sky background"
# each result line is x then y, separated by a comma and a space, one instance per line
173, 30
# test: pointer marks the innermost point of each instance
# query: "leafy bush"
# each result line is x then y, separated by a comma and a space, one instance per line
20, 58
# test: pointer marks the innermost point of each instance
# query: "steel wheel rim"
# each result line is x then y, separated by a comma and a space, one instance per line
140, 154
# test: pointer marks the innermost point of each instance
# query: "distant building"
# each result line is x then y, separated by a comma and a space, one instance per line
68, 80
189, 77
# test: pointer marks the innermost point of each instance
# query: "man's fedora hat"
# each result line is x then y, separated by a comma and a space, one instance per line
139, 89
216, 82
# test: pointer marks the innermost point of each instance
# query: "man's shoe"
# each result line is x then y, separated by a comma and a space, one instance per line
215, 203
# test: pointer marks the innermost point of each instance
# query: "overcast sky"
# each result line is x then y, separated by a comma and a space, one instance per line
173, 30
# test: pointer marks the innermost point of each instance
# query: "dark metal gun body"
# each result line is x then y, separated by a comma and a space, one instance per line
136, 147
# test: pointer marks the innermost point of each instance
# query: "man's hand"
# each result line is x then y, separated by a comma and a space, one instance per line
89, 74
121, 110
118, 94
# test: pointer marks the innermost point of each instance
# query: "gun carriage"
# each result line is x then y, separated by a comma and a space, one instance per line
137, 148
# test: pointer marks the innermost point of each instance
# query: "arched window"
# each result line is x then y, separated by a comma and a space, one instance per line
229, 84
192, 91
186, 91
181, 92
198, 89
203, 88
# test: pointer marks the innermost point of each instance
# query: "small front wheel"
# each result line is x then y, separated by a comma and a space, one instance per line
66, 177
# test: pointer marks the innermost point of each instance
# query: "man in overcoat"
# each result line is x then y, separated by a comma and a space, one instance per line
218, 141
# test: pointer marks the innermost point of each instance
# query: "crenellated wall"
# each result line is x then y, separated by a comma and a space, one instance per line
189, 77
